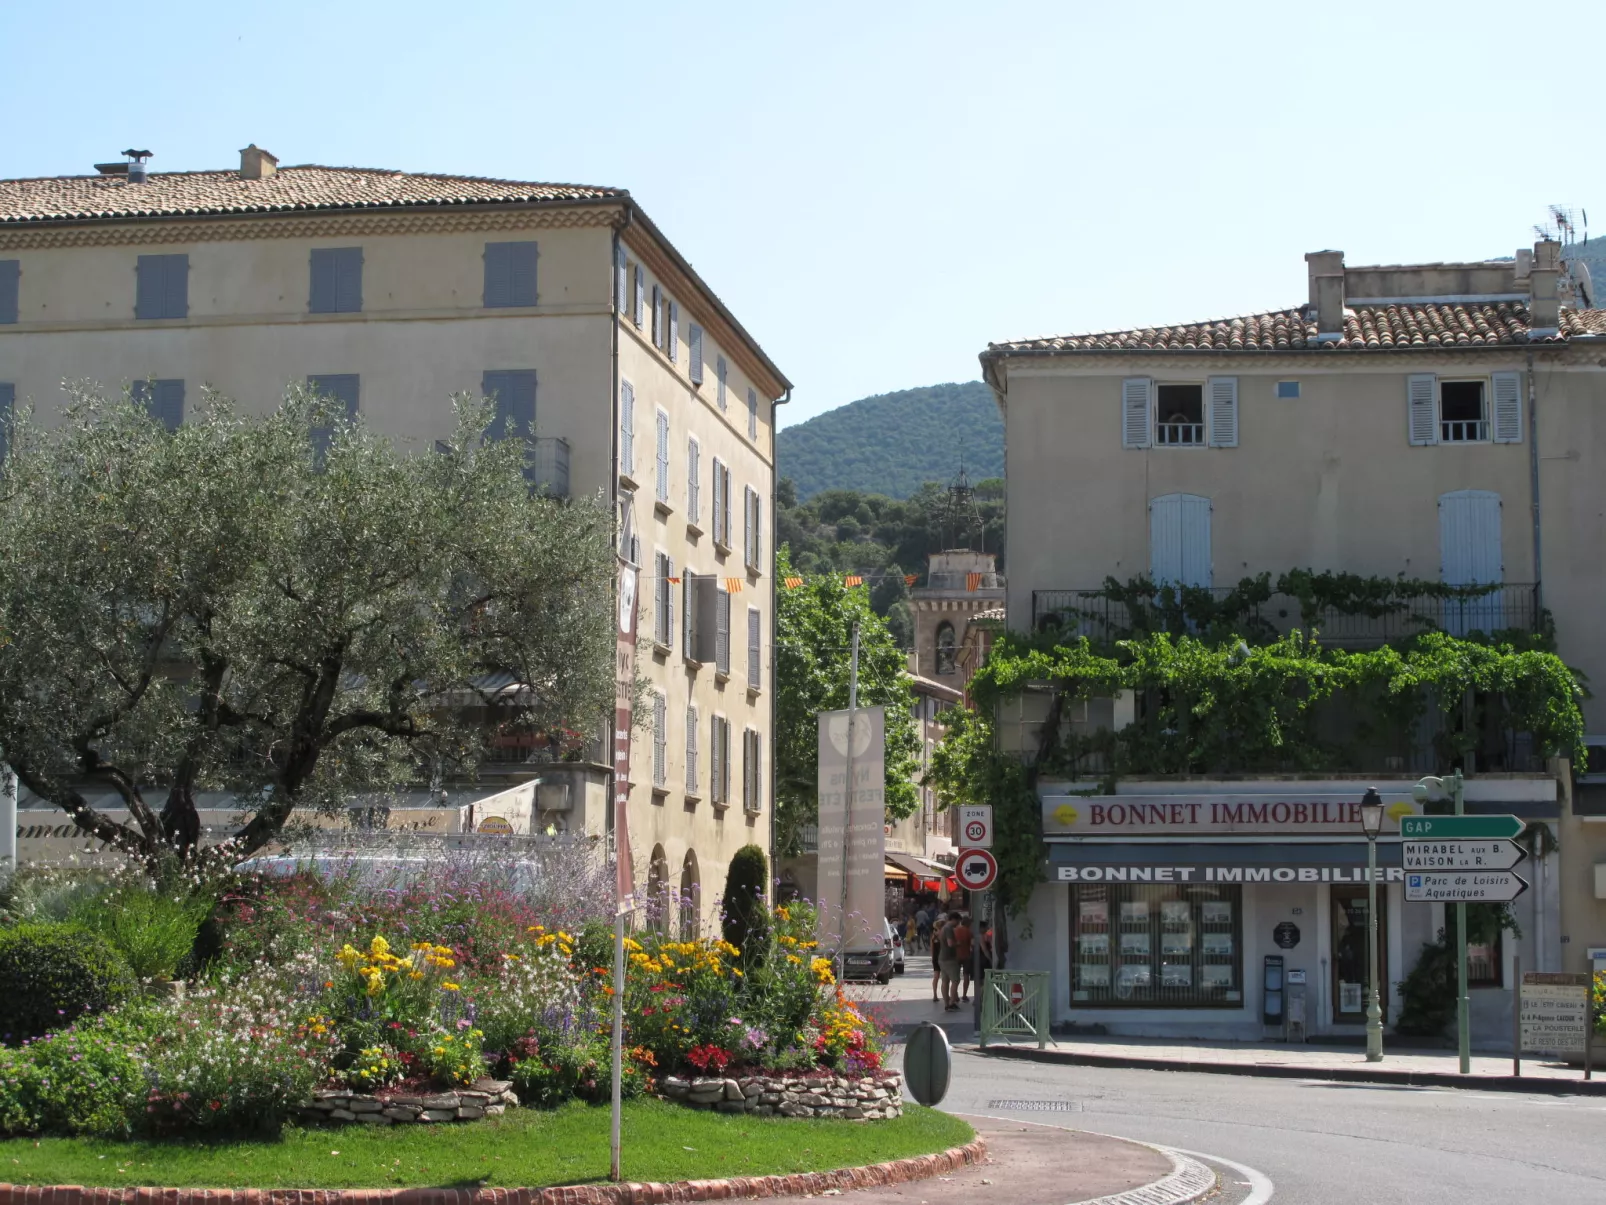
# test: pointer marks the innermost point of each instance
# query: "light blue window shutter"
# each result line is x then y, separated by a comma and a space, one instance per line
1135, 416
1222, 396
669, 602
694, 466
719, 502
694, 353
621, 278
10, 289
8, 407
1179, 540
721, 369
510, 274
722, 647
627, 429
755, 668
674, 331
163, 401
1507, 390
514, 394
747, 525
1469, 554
691, 750
663, 457
1422, 408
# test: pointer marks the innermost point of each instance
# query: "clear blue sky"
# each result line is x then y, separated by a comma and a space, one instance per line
878, 189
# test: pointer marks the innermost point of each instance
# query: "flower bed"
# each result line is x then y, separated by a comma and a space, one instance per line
334, 1002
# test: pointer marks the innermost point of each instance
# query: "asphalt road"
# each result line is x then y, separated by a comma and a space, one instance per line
1320, 1143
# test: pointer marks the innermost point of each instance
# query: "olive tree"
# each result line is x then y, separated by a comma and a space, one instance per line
291, 607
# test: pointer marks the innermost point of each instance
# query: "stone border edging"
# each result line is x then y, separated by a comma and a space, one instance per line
1352, 1075
1186, 1182
875, 1175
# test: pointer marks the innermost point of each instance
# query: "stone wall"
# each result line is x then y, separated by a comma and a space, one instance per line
341, 1106
853, 1097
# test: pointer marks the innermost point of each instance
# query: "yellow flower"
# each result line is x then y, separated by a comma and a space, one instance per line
794, 960
451, 987
379, 946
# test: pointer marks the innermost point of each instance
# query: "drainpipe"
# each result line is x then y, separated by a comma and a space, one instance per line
775, 594
1533, 488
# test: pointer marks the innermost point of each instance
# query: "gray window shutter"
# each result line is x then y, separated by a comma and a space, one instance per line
1221, 394
758, 531
1507, 389
705, 627
691, 750
163, 401
694, 466
641, 296
513, 390
674, 331
663, 457
10, 289
660, 740
627, 429
747, 525
721, 370
688, 614
1422, 407
755, 669
8, 407
719, 485
694, 353
344, 388
725, 502
621, 285
1135, 412
510, 274
752, 414
669, 602
657, 317
715, 758
163, 287
336, 276
722, 649
660, 589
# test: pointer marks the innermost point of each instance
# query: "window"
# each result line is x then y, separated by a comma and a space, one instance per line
343, 388
752, 519
752, 770
674, 332
663, 458
1351, 971
755, 664
722, 632
1137, 945
719, 782
694, 353
1179, 415
721, 371
163, 401
1485, 961
1461, 413
660, 741
336, 280
691, 750
163, 287
8, 406
627, 429
621, 278
637, 313
10, 289
663, 627
513, 390
509, 274
1458, 411
1288, 390
944, 648
722, 503
694, 467
658, 322
752, 414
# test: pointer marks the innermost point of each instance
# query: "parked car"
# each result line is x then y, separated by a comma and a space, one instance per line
895, 941
877, 962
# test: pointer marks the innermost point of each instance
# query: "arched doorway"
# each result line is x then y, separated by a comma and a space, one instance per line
691, 897
658, 890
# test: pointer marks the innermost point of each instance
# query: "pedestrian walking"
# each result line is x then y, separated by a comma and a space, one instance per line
922, 925
962, 948
948, 962
934, 944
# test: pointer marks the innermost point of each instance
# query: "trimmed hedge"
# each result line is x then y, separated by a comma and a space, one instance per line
51, 974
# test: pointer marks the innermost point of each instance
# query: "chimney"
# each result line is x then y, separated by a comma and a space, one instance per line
136, 165
1544, 298
256, 163
1326, 275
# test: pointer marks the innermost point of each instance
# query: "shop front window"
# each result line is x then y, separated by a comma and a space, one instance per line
1349, 955
1484, 963
1134, 945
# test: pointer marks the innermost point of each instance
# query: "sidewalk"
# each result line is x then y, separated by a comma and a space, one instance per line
1342, 1063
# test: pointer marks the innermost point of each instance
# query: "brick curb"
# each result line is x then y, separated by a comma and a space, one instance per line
898, 1171
1352, 1075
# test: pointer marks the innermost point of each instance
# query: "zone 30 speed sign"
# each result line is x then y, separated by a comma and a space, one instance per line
976, 826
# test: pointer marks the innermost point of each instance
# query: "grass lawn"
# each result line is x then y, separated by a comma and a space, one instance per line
525, 1148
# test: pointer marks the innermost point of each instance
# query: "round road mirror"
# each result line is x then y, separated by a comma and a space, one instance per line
927, 1064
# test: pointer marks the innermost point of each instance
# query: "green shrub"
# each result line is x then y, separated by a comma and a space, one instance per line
50, 975
745, 887
88, 1080
547, 1074
154, 930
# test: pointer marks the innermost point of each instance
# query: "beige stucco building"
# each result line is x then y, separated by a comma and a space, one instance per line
1437, 421
393, 292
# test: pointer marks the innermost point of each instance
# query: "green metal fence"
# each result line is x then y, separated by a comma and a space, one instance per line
1014, 1006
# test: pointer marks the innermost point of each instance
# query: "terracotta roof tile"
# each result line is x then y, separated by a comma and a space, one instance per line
1402, 326
171, 194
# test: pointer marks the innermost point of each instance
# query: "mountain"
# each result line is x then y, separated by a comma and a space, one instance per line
895, 442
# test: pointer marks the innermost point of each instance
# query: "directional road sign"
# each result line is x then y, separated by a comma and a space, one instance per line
1462, 855
976, 869
976, 825
1463, 886
1459, 828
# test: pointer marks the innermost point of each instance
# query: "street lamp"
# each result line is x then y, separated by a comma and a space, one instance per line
1372, 824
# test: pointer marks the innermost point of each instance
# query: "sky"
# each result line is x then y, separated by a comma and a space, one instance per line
879, 189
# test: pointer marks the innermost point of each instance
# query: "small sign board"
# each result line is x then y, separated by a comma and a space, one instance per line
1462, 855
976, 826
1459, 828
1553, 1014
1286, 935
976, 869
1463, 886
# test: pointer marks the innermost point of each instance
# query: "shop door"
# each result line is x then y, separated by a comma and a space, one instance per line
1349, 955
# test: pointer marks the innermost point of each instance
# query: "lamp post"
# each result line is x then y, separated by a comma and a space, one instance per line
1372, 824
1426, 789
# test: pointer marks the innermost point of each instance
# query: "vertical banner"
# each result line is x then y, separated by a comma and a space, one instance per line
852, 842
625, 681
